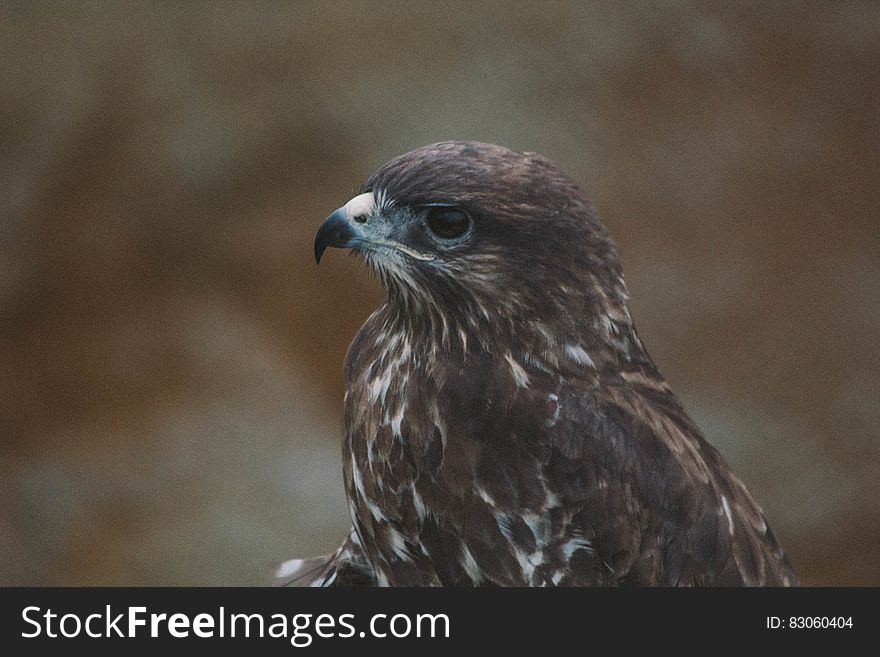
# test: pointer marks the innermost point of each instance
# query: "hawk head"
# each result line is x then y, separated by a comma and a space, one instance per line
483, 235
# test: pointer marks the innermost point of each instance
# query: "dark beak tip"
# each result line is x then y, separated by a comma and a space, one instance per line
335, 231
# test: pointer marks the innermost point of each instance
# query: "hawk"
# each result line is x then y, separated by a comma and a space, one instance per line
504, 424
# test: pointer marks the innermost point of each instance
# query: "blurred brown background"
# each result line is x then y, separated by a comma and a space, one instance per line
171, 358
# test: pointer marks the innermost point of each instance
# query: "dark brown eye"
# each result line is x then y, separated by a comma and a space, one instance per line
447, 223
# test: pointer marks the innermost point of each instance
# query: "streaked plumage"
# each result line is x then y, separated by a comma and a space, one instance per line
504, 424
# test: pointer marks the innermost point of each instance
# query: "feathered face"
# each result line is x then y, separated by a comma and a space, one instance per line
476, 228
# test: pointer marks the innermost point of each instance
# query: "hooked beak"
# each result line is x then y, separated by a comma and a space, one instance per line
335, 231
343, 228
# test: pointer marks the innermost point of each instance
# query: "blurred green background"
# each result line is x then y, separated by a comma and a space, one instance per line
171, 358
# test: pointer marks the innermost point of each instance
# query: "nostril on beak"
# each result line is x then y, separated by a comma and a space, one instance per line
361, 218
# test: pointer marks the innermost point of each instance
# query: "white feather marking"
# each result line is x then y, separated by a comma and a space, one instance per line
398, 543
556, 414
545, 332
536, 362
288, 568
527, 563
762, 526
374, 510
576, 544
396, 421
535, 523
378, 387
405, 353
485, 496
470, 565
419, 504
373, 389
576, 353
519, 374
386, 381
358, 482
727, 513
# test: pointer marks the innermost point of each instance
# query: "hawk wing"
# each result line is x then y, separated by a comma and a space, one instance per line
570, 484
657, 502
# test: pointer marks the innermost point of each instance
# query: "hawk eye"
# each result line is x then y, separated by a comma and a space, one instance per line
447, 222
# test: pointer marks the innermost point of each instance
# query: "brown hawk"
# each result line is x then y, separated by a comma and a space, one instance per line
504, 424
